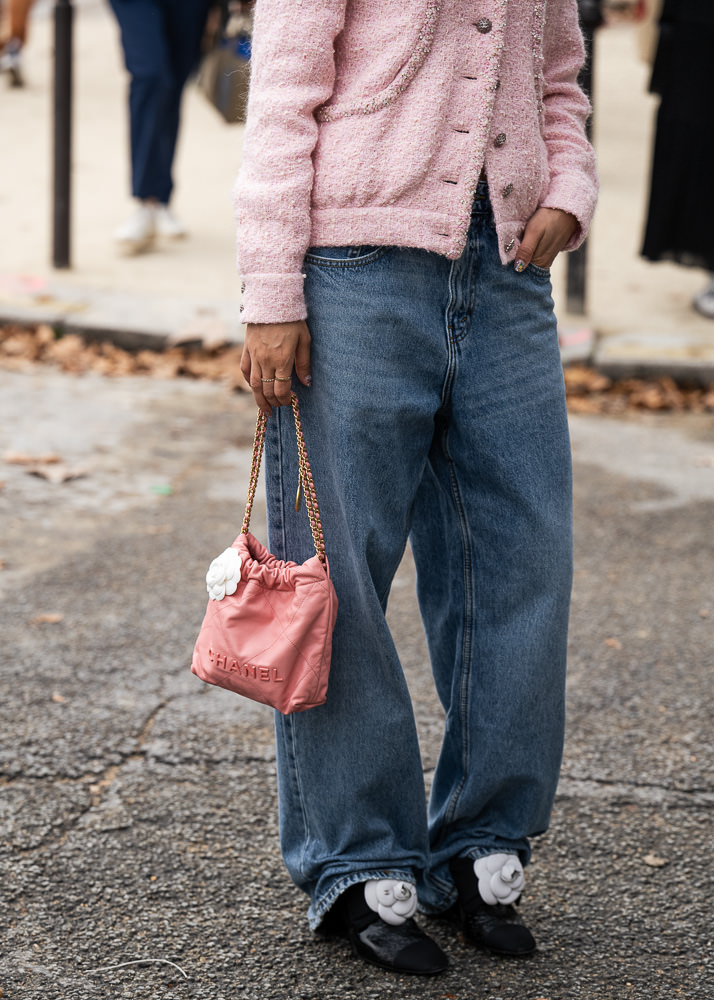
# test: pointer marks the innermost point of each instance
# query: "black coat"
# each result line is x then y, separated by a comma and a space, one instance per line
680, 218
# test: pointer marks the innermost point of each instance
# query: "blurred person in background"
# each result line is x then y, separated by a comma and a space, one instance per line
161, 40
680, 215
648, 13
13, 35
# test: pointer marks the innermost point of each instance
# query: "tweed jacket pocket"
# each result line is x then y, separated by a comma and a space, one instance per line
357, 46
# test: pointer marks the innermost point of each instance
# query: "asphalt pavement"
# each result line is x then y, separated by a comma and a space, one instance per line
138, 845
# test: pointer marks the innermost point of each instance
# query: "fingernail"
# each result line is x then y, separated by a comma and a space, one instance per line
308, 380
519, 266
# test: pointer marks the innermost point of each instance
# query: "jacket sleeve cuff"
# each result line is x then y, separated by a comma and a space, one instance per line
273, 298
578, 198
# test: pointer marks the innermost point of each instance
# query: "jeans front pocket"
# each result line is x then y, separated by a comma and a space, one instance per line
543, 273
349, 256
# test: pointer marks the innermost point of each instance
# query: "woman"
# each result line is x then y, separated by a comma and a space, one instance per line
680, 213
410, 171
14, 37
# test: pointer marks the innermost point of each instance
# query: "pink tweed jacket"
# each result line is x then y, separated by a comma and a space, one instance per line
369, 122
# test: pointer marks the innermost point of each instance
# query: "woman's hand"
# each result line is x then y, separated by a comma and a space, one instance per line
548, 230
269, 354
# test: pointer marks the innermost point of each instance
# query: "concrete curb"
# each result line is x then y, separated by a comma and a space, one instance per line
132, 321
685, 358
139, 322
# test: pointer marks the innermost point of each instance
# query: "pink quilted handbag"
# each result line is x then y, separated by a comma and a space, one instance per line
267, 632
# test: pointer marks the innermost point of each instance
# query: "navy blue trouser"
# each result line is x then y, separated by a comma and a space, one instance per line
161, 41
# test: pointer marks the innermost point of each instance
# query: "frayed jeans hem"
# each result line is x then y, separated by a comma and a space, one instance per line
441, 891
320, 908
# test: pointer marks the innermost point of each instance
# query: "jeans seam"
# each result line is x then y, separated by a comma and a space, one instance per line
468, 597
457, 322
467, 625
466, 548
451, 336
298, 785
288, 721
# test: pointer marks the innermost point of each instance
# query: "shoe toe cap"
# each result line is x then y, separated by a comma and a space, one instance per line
425, 958
510, 939
405, 948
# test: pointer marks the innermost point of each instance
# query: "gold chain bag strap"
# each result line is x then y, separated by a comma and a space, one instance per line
267, 631
306, 484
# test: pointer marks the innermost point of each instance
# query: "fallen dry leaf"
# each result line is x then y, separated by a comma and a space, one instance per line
22, 458
51, 618
654, 861
584, 404
44, 334
58, 698
588, 390
582, 380
70, 352
56, 473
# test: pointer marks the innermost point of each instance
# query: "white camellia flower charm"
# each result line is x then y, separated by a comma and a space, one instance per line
223, 575
500, 878
393, 900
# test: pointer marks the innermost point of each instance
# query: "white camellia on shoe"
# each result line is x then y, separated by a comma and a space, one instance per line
500, 878
393, 900
138, 232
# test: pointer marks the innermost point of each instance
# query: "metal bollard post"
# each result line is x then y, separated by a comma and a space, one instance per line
576, 273
62, 134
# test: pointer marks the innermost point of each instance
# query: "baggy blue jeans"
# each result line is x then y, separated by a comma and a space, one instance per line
436, 414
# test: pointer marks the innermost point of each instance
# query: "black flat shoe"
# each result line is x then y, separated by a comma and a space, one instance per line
404, 948
498, 927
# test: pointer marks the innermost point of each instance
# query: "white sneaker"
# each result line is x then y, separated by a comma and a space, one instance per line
704, 301
11, 64
167, 225
138, 232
